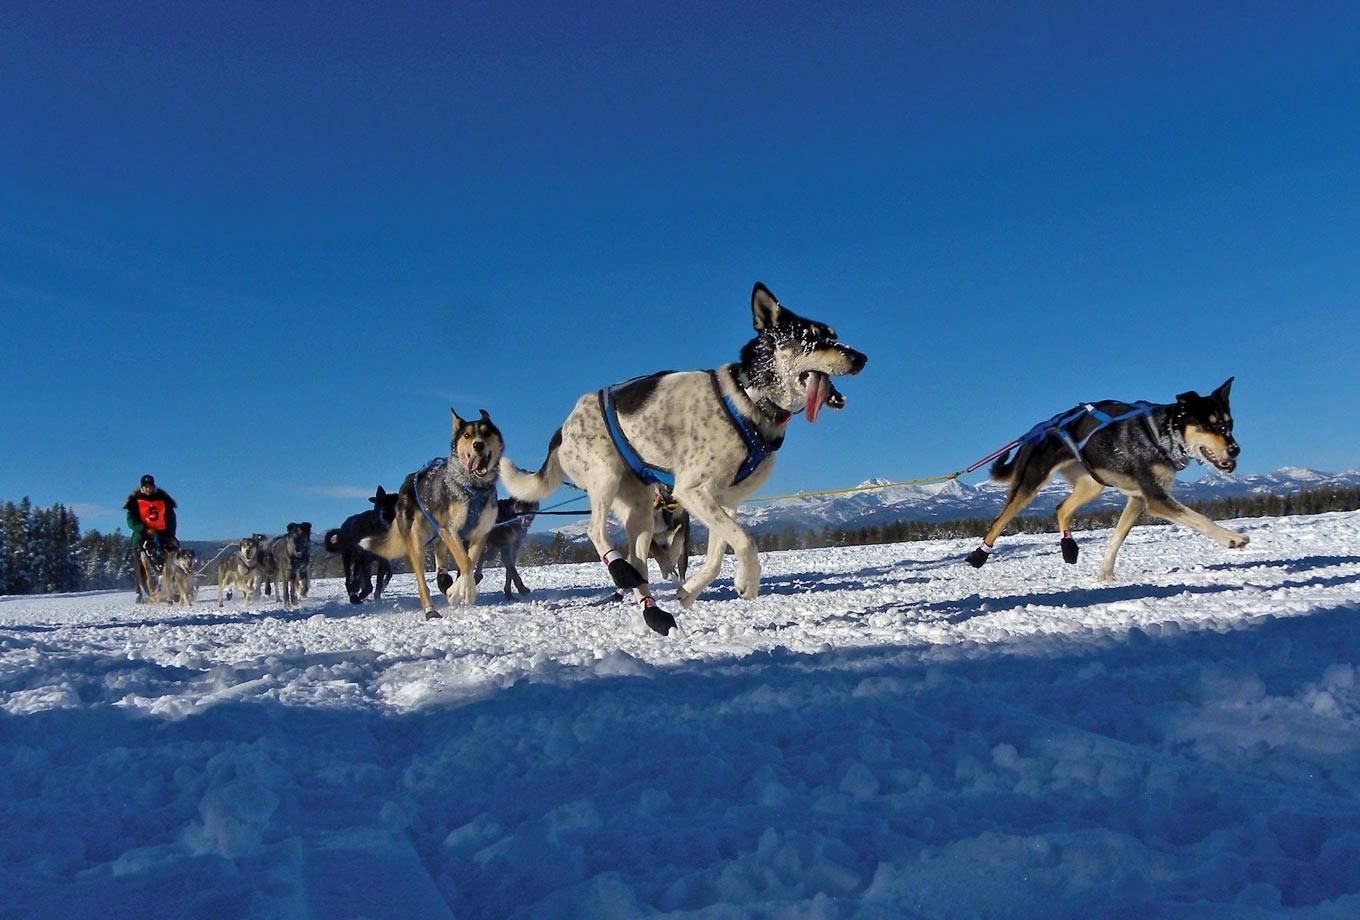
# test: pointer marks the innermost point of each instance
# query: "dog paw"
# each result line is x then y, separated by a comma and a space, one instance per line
1238, 541
1106, 575
433, 614
686, 597
748, 591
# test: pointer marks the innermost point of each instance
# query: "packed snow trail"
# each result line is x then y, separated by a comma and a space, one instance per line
885, 732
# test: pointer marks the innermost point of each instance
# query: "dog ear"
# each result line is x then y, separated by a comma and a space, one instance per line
486, 416
292, 525
1185, 398
306, 526
457, 422
1221, 394
764, 308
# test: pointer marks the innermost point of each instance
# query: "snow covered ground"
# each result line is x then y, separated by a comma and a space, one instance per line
885, 732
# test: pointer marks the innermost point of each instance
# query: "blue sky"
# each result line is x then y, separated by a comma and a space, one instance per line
260, 252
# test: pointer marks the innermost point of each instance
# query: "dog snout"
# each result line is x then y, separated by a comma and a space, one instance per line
1233, 449
478, 445
857, 359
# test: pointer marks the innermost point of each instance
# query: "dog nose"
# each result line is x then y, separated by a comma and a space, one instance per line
857, 360
1233, 449
478, 445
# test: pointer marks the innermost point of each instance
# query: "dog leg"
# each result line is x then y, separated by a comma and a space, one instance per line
514, 574
719, 521
625, 576
1132, 511
688, 592
475, 550
415, 554
443, 581
384, 576
1160, 503
464, 590
1019, 500
1084, 490
637, 523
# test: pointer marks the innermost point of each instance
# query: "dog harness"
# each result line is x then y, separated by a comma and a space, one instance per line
1059, 424
477, 499
758, 449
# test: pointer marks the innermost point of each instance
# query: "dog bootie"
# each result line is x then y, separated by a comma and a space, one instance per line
625, 576
658, 620
978, 557
1069, 549
443, 580
433, 614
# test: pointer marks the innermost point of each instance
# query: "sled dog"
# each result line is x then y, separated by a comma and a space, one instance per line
177, 578
241, 569
670, 536
358, 561
292, 557
1136, 448
506, 539
708, 436
452, 501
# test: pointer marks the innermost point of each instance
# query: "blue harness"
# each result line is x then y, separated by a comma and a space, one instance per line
1059, 423
758, 450
477, 499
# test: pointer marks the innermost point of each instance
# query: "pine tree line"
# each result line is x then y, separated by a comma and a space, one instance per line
42, 550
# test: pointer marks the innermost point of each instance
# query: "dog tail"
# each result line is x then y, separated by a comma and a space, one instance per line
1004, 468
533, 487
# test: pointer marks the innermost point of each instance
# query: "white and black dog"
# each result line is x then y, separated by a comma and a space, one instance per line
709, 436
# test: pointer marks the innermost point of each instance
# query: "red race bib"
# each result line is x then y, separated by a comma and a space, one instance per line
152, 513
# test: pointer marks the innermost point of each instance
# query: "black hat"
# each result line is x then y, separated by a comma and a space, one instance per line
148, 480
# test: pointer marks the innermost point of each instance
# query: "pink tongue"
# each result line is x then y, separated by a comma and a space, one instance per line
818, 385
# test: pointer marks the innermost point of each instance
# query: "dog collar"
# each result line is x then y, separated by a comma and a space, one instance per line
1172, 448
774, 413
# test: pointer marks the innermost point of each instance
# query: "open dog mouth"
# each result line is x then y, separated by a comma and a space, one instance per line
818, 388
1226, 464
477, 464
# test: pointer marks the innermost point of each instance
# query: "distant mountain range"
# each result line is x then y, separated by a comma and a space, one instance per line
955, 500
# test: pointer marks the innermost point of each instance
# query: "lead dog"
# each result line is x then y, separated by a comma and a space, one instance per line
1136, 448
358, 561
453, 501
710, 436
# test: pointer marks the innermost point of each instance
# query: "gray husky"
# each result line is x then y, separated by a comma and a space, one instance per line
1136, 448
450, 502
292, 556
506, 539
709, 436
241, 569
